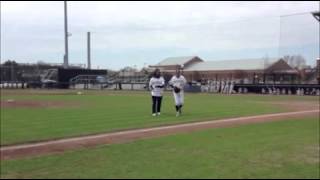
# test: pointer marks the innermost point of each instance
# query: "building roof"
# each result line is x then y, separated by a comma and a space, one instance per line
172, 61
244, 64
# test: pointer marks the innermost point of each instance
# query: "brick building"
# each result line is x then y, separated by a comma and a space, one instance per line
243, 71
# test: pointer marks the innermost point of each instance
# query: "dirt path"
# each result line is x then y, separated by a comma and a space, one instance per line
294, 105
58, 146
36, 104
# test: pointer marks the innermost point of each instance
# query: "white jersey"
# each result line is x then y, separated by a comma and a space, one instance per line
154, 82
178, 82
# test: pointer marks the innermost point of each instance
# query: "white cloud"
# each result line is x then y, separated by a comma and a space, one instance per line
34, 30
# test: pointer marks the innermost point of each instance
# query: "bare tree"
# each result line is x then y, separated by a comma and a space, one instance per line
295, 61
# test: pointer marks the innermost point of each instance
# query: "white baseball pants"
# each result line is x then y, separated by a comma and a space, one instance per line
178, 98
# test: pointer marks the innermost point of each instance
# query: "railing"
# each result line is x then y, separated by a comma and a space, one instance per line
86, 79
115, 81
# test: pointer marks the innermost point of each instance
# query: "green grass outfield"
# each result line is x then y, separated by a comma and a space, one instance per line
283, 149
105, 111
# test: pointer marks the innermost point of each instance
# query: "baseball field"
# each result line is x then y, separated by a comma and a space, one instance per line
207, 141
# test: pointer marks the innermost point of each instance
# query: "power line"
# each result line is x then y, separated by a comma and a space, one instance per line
296, 14
150, 27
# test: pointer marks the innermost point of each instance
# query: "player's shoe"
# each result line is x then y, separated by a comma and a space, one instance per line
158, 113
177, 114
154, 114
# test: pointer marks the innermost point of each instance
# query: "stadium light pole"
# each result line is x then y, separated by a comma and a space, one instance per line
89, 50
66, 55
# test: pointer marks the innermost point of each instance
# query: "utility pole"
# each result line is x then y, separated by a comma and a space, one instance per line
89, 51
66, 55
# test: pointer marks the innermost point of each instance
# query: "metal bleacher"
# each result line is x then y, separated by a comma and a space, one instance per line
107, 81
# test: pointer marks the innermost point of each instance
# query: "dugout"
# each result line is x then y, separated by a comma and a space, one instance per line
65, 75
308, 89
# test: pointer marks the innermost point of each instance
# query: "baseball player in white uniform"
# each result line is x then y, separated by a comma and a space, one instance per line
178, 82
156, 86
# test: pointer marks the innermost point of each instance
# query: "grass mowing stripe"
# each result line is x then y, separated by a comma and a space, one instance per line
108, 111
284, 149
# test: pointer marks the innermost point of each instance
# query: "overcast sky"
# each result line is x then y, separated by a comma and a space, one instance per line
143, 33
